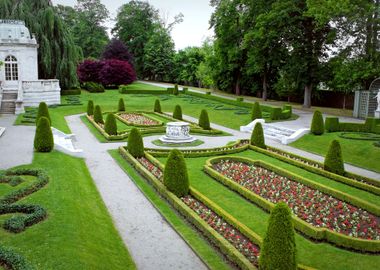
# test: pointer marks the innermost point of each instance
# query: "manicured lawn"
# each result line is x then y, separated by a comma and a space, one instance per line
309, 252
143, 86
198, 244
78, 232
357, 152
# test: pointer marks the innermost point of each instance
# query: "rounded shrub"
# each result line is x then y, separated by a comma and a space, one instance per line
176, 178
135, 143
43, 139
256, 111
90, 108
317, 125
279, 248
157, 106
334, 159
43, 111
204, 121
177, 114
257, 137
121, 105
110, 126
98, 116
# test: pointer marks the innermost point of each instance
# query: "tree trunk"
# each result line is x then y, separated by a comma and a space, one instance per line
307, 96
265, 87
344, 101
237, 87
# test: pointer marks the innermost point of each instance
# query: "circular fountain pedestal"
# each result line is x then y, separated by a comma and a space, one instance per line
177, 132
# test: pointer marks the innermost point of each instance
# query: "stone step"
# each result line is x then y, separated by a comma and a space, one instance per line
8, 107
9, 96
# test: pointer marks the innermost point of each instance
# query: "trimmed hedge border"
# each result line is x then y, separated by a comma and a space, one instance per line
371, 125
123, 89
302, 226
368, 184
226, 248
12, 260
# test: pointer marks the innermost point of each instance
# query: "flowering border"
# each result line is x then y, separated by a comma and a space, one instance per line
302, 226
129, 123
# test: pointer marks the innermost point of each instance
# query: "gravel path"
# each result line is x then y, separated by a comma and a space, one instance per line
16, 144
152, 242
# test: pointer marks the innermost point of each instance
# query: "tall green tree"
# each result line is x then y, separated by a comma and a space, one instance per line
57, 54
186, 64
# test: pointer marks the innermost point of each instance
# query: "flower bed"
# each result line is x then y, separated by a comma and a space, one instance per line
310, 205
139, 119
228, 232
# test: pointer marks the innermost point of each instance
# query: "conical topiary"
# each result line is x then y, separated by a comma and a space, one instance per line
317, 124
110, 127
98, 116
257, 137
135, 143
43, 139
121, 105
334, 159
175, 174
204, 121
90, 108
279, 248
177, 114
43, 110
256, 111
157, 106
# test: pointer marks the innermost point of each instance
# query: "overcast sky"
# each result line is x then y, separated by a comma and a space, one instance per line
191, 32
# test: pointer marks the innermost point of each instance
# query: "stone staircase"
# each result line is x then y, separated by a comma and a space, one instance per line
277, 133
8, 102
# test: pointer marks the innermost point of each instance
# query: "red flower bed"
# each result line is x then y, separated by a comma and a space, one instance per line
138, 119
232, 235
308, 204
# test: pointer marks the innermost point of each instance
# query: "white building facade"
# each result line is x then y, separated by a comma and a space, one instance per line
19, 84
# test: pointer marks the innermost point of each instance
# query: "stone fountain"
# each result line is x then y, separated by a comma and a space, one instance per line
177, 132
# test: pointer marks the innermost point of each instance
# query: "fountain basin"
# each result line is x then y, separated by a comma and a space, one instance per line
177, 132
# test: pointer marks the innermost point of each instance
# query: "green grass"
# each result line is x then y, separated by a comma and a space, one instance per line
135, 102
143, 86
356, 152
78, 232
194, 143
197, 243
309, 252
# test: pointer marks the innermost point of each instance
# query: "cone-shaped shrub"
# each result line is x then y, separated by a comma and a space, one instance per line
256, 111
317, 125
257, 137
204, 121
135, 143
90, 108
334, 159
279, 248
98, 116
43, 111
121, 105
110, 126
177, 114
176, 91
43, 139
157, 106
175, 174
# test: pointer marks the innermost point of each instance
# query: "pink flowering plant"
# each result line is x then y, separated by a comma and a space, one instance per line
138, 119
308, 204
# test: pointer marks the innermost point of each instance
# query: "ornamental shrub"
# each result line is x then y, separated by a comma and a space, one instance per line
176, 91
257, 137
157, 106
332, 124
90, 108
317, 125
177, 114
204, 121
135, 143
110, 126
279, 248
93, 87
88, 71
43, 111
116, 72
176, 178
276, 113
121, 105
98, 116
43, 139
334, 160
256, 112
116, 49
